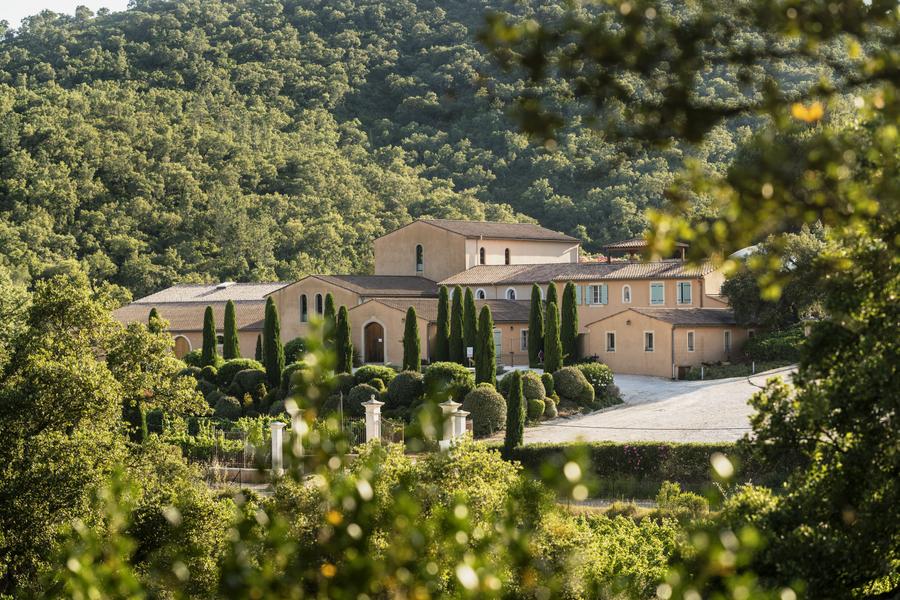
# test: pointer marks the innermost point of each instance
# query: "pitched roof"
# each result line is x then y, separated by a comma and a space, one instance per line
694, 317
188, 316
637, 242
500, 231
383, 285
544, 273
502, 311
212, 292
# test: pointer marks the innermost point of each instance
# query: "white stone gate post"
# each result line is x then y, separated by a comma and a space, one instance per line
373, 419
277, 428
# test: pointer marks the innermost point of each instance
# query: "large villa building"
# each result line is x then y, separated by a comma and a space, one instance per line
651, 318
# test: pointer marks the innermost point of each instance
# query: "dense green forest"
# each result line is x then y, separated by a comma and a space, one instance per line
260, 139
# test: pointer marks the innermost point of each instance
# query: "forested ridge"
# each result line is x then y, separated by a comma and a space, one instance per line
251, 140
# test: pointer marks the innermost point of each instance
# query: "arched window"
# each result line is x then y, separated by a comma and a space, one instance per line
506, 256
420, 259
626, 294
304, 309
480, 294
481, 256
511, 294
319, 308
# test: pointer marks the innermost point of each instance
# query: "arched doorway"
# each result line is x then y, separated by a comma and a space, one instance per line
374, 343
182, 346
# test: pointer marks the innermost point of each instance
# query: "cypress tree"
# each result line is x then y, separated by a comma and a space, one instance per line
485, 358
515, 413
329, 319
535, 328
273, 351
259, 349
442, 338
154, 321
552, 345
209, 354
470, 324
568, 328
231, 347
412, 350
551, 294
342, 344
457, 349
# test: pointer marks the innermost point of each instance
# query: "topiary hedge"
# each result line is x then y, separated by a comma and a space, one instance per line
369, 372
342, 383
547, 380
550, 410
247, 382
405, 390
445, 380
210, 374
294, 349
228, 407
232, 367
287, 376
532, 386
597, 374
572, 386
487, 410
353, 403
535, 409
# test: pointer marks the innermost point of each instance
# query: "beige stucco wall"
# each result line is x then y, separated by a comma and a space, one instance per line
521, 252
246, 339
709, 345
394, 323
287, 299
444, 252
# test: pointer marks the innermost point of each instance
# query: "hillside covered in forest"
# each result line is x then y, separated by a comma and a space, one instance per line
264, 139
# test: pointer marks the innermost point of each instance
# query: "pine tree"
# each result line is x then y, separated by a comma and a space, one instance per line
470, 325
412, 350
551, 294
154, 321
343, 347
552, 345
329, 323
209, 354
535, 328
231, 347
259, 349
515, 413
442, 337
273, 351
568, 328
485, 357
457, 348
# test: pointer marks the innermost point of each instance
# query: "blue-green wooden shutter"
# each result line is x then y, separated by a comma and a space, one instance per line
604, 294
578, 294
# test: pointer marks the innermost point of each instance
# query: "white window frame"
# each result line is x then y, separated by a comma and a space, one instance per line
523, 340
613, 348
727, 340
650, 347
624, 300
514, 294
480, 294
663, 286
678, 292
691, 341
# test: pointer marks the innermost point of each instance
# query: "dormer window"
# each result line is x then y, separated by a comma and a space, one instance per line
420, 259
506, 256
481, 256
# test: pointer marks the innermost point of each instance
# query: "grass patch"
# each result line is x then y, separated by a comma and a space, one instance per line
725, 371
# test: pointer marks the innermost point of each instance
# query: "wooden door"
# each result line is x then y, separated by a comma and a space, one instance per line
182, 346
374, 334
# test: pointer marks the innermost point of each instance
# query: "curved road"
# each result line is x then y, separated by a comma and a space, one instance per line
658, 409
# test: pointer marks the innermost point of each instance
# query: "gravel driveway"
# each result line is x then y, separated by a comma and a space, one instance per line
658, 409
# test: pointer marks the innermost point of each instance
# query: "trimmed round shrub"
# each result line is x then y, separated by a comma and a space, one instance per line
550, 410
535, 409
294, 350
405, 390
228, 407
287, 376
190, 372
445, 380
547, 380
277, 408
598, 375
378, 384
609, 396
353, 403
209, 373
247, 382
155, 421
232, 367
369, 372
487, 410
342, 383
572, 386
532, 387
192, 359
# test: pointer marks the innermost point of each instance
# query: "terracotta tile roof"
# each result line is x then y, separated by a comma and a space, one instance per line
500, 231
188, 316
526, 274
212, 292
503, 311
637, 242
695, 317
383, 285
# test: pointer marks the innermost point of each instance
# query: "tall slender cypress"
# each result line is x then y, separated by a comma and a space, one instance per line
259, 349
515, 413
343, 347
154, 321
442, 338
209, 353
470, 324
485, 357
568, 328
535, 328
552, 345
412, 349
457, 348
273, 351
231, 347
329, 319
551, 294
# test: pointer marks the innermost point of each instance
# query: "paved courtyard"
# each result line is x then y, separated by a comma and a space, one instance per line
658, 409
